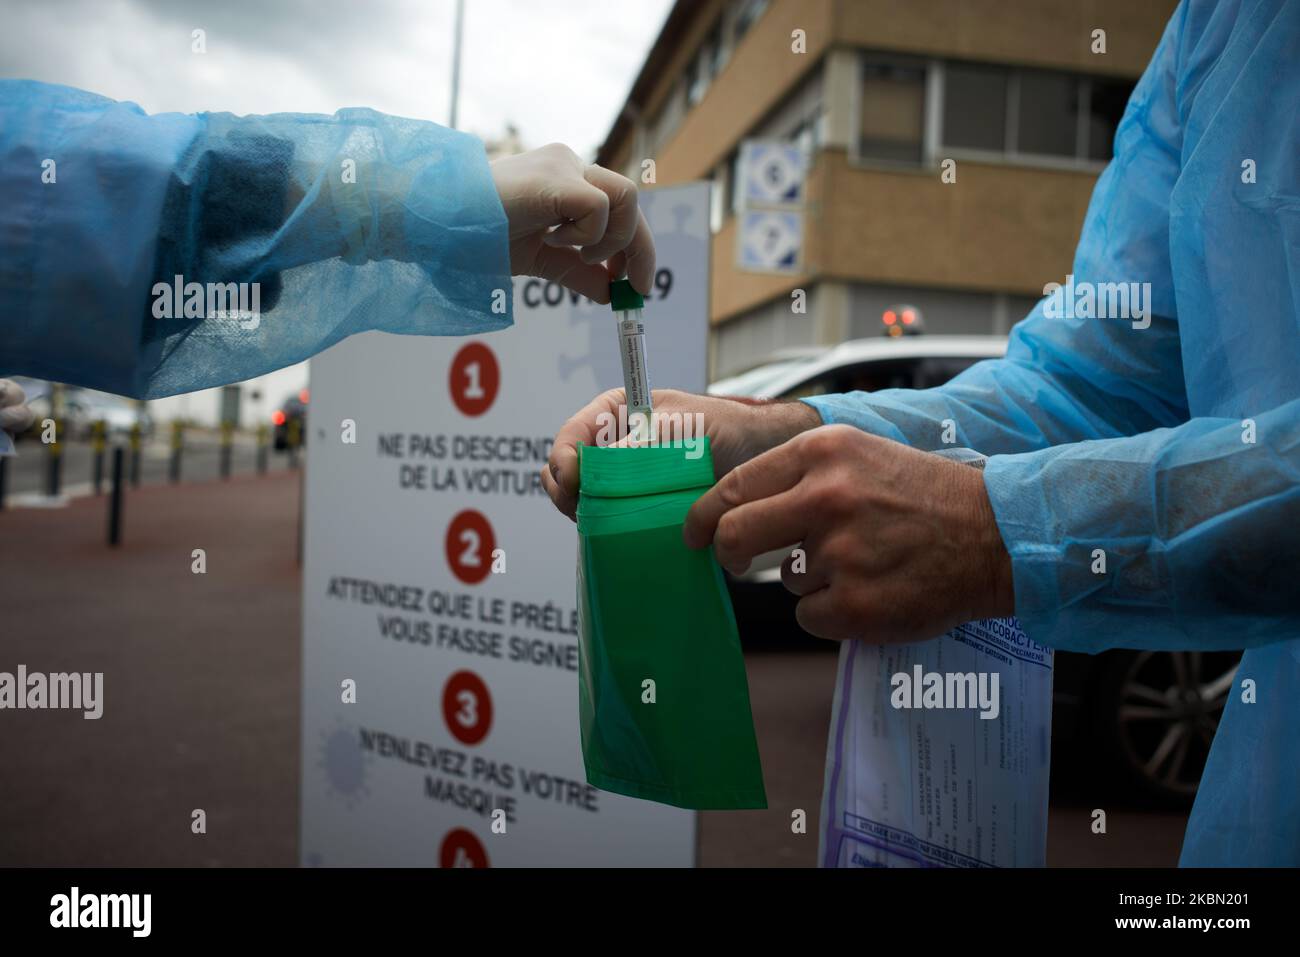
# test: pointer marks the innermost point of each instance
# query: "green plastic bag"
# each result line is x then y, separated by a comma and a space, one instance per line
654, 611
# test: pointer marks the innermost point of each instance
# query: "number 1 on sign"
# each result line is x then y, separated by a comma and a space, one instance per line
474, 379
474, 390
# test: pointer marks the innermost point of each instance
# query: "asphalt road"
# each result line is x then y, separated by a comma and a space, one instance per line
205, 672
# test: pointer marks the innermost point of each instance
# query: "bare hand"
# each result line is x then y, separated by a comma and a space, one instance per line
738, 429
894, 544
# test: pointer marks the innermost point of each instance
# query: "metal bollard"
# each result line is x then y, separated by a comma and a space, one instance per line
98, 429
178, 441
115, 501
302, 510
227, 436
294, 437
135, 455
261, 450
54, 474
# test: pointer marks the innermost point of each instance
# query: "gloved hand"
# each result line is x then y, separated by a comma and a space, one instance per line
15, 416
575, 224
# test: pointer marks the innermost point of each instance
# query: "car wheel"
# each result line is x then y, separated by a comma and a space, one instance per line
1159, 711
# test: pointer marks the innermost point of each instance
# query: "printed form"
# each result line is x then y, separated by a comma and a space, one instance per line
915, 780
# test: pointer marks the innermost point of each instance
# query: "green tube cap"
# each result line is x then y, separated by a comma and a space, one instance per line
623, 297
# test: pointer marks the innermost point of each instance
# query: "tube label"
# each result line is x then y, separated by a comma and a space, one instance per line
632, 349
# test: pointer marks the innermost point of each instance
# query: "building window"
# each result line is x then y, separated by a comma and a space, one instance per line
706, 65
1023, 114
975, 107
893, 112
808, 135
697, 82
718, 197
734, 195
1048, 120
1105, 109
750, 10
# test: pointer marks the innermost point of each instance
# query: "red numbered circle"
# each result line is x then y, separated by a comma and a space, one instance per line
460, 848
467, 707
470, 544
474, 379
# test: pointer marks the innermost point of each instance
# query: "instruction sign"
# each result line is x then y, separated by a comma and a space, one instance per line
440, 634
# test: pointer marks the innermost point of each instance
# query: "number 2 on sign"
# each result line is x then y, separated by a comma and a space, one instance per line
469, 557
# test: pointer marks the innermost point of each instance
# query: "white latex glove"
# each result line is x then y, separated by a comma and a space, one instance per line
573, 223
15, 416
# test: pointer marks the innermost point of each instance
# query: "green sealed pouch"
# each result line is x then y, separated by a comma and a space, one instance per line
653, 610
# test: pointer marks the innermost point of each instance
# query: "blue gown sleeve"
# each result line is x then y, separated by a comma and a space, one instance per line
1173, 539
1163, 531
152, 255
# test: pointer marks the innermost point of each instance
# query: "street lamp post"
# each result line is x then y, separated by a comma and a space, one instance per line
455, 61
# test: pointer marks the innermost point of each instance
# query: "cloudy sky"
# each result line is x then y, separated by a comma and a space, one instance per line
557, 69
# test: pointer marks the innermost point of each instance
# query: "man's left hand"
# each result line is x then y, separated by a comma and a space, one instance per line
894, 544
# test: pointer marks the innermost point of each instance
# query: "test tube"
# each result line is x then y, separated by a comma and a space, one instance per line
628, 304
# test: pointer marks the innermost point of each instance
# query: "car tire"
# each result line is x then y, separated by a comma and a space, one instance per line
1155, 714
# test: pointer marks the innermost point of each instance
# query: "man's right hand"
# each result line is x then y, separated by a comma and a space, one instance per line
738, 430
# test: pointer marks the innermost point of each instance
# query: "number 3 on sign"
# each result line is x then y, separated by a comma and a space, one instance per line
468, 713
467, 707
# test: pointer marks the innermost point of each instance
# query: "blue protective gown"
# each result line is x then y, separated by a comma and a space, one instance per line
1175, 447
346, 223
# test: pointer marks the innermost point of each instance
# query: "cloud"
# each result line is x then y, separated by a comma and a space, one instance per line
557, 69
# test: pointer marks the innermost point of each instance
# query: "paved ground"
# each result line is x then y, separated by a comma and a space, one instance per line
203, 672
204, 675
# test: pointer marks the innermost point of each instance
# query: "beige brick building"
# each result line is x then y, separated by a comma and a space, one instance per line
883, 93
